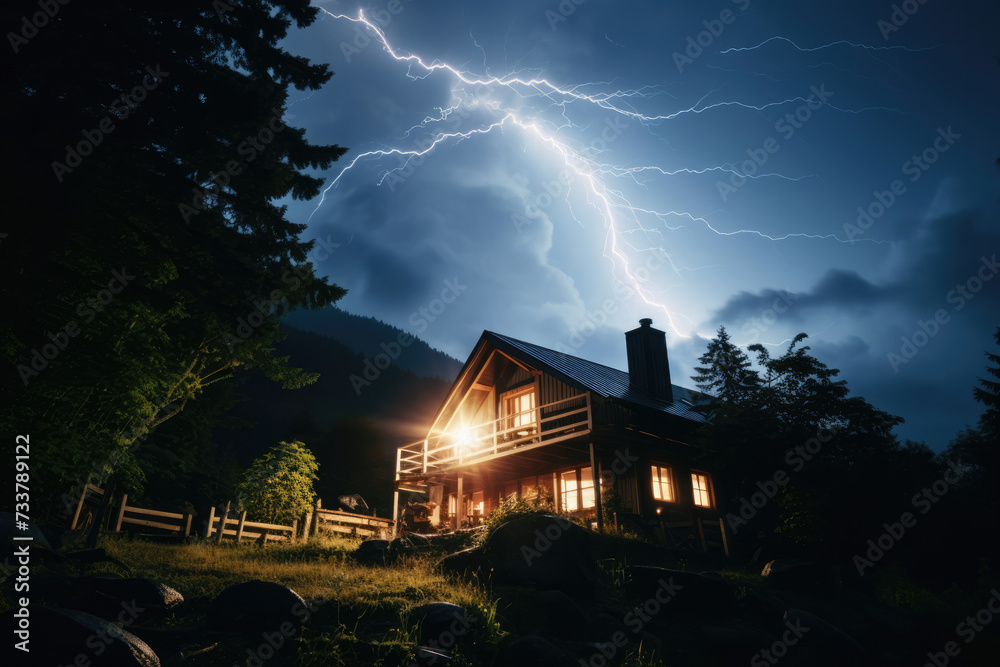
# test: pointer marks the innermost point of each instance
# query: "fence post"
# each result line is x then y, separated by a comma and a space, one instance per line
79, 507
187, 524
239, 527
211, 520
295, 530
223, 518
121, 513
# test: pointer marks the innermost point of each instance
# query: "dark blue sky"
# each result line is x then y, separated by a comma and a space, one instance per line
702, 164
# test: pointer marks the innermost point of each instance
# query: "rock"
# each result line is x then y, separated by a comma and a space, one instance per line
399, 547
559, 615
545, 550
468, 561
441, 624
62, 636
372, 552
797, 576
429, 656
256, 606
112, 598
535, 651
677, 593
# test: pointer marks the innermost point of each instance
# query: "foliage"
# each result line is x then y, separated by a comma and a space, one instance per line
537, 501
146, 271
792, 415
725, 371
278, 487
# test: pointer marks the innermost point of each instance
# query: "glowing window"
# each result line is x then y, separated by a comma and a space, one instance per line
663, 484
587, 488
528, 486
569, 500
699, 483
519, 407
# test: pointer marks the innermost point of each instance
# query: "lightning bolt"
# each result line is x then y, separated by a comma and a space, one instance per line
543, 96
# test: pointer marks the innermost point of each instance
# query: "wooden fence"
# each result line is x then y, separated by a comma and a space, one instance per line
182, 525
220, 526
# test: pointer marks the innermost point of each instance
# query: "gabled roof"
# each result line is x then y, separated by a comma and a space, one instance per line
602, 380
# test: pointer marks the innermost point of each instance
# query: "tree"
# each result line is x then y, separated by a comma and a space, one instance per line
278, 487
142, 249
989, 394
725, 371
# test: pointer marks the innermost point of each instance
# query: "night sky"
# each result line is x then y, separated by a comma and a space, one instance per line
779, 167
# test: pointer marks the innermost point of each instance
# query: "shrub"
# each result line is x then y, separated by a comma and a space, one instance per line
278, 487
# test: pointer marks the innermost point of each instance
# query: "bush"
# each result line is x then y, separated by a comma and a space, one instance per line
278, 487
537, 501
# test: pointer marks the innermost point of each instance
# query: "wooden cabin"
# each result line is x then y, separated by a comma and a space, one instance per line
521, 416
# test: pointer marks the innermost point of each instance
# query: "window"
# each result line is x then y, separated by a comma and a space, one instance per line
528, 486
576, 490
475, 503
518, 407
569, 501
587, 488
699, 482
663, 483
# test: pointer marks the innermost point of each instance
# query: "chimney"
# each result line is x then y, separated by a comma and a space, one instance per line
648, 368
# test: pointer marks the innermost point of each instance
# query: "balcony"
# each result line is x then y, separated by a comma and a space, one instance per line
544, 425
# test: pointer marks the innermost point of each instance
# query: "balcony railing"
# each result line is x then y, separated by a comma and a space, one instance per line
546, 424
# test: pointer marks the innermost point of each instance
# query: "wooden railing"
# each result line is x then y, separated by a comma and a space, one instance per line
180, 523
545, 424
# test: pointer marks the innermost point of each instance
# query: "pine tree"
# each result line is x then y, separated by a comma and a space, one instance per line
726, 371
989, 393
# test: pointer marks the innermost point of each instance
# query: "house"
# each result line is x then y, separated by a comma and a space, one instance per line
520, 417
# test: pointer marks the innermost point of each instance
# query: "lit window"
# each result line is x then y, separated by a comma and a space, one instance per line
569, 486
519, 407
663, 485
587, 488
699, 483
476, 504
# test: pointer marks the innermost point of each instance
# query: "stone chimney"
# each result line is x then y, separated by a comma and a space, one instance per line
648, 368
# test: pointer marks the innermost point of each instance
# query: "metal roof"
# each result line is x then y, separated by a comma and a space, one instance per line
602, 380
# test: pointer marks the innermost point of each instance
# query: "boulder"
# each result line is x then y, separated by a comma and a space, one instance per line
441, 624
255, 607
401, 546
110, 597
372, 552
678, 593
558, 614
69, 637
543, 550
468, 561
